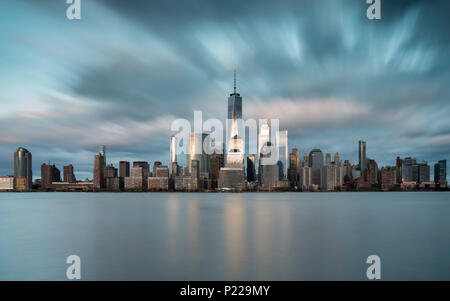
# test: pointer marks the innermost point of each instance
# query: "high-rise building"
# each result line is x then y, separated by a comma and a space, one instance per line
388, 177
110, 171
293, 167
99, 166
316, 163
69, 176
423, 172
328, 159
283, 150
235, 103
263, 138
198, 152
270, 172
328, 177
173, 154
362, 156
304, 177
156, 164
251, 170
407, 171
124, 169
336, 158
372, 173
23, 167
440, 172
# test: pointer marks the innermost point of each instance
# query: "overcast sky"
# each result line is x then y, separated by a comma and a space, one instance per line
122, 73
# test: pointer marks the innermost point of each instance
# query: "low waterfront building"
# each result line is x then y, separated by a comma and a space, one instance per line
6, 183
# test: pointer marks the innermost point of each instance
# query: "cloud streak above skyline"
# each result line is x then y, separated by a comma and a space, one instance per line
122, 73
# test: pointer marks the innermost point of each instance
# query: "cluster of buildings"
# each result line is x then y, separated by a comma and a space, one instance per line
232, 169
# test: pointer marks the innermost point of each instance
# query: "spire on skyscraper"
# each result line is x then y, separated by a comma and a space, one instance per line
234, 81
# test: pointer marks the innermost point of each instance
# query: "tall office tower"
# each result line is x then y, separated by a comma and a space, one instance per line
293, 167
46, 176
304, 177
156, 164
423, 172
69, 176
99, 166
263, 138
305, 159
110, 171
56, 174
372, 174
328, 178
195, 169
235, 103
336, 158
328, 159
23, 167
251, 170
124, 169
388, 177
197, 151
362, 156
145, 168
407, 171
440, 172
316, 163
339, 175
173, 154
215, 166
283, 150
270, 173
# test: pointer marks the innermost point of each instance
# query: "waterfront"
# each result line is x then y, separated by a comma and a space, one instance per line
225, 236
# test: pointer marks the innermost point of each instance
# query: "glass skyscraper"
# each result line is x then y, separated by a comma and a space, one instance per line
23, 166
362, 156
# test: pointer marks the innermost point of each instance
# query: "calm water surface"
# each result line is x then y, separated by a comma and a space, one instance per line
229, 236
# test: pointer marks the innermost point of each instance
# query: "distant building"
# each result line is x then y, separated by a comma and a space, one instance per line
263, 138
423, 172
388, 177
282, 145
251, 169
304, 177
6, 183
23, 169
293, 167
328, 178
362, 156
328, 159
69, 176
197, 151
316, 163
407, 170
162, 171
440, 172
156, 164
372, 174
99, 166
173, 155
270, 173
124, 169
49, 174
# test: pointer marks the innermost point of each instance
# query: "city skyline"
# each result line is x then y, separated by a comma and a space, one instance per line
348, 81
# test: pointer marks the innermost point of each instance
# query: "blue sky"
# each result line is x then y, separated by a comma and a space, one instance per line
122, 73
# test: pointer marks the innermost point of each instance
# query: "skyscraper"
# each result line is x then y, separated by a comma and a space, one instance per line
328, 159
23, 167
235, 103
124, 169
173, 154
251, 171
282, 144
263, 138
362, 156
99, 166
197, 151
316, 163
440, 172
69, 176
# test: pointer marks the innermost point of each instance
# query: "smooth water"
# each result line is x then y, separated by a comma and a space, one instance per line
225, 236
